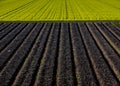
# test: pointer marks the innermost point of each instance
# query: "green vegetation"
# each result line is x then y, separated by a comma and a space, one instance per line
59, 10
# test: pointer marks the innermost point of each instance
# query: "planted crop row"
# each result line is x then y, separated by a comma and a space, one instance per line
59, 10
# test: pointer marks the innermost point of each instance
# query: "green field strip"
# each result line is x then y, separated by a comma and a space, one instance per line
54, 12
59, 10
20, 12
77, 11
47, 10
44, 11
32, 11
29, 14
28, 11
40, 7
24, 11
9, 7
36, 12
41, 11
113, 3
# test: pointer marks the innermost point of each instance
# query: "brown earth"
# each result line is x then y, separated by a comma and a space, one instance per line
62, 54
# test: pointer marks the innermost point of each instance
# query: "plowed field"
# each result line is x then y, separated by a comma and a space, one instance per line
60, 53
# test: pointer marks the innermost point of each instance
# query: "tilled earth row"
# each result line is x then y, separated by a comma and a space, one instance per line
60, 53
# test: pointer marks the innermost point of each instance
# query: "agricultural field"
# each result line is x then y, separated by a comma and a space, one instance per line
59, 43
60, 54
59, 10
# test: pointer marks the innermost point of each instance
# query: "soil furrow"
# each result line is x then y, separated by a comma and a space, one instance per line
35, 64
102, 70
18, 58
1, 23
117, 24
114, 26
8, 52
59, 53
115, 43
9, 37
7, 30
46, 71
84, 71
72, 58
4, 26
64, 72
108, 52
54, 82
29, 58
113, 30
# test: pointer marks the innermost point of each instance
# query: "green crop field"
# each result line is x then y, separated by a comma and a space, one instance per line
59, 10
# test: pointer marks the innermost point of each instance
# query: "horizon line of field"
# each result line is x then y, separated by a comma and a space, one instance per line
56, 21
